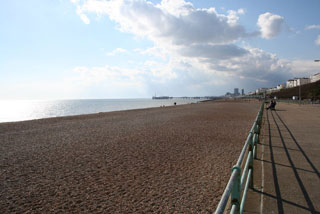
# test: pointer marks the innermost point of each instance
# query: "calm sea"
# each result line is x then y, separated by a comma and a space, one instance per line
19, 110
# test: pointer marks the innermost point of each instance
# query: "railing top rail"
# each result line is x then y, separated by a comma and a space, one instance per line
244, 149
225, 196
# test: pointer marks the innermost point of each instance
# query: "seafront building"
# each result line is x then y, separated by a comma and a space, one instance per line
315, 78
291, 83
281, 86
236, 92
261, 90
301, 81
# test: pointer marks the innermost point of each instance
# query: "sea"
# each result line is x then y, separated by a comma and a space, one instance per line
21, 110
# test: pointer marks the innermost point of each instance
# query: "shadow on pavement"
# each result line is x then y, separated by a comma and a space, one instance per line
277, 121
274, 170
296, 142
283, 200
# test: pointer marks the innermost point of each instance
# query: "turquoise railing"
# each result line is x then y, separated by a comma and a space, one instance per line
240, 180
298, 102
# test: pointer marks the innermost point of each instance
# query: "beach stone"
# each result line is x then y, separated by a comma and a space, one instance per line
166, 160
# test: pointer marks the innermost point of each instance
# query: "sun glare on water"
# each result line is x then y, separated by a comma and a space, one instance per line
19, 110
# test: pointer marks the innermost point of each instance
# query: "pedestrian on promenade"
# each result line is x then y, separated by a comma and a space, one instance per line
272, 105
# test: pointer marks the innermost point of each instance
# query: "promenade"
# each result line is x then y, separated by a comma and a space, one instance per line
286, 171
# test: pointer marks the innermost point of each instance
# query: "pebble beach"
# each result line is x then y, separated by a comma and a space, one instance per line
174, 159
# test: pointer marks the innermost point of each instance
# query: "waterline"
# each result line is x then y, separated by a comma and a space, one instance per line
20, 110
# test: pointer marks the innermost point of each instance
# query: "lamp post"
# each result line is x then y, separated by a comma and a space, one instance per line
317, 60
299, 91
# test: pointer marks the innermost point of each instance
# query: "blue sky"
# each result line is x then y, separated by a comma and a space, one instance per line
71, 49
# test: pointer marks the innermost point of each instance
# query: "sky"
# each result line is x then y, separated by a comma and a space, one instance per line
100, 49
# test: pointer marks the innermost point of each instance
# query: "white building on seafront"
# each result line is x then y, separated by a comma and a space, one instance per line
297, 82
281, 86
271, 90
301, 81
290, 84
261, 90
252, 93
315, 77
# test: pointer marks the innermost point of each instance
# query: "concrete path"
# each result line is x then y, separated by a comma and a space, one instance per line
286, 176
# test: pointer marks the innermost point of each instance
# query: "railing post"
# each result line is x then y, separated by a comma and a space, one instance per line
255, 147
236, 190
256, 129
251, 146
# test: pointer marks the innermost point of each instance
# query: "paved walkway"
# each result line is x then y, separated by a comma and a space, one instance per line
286, 176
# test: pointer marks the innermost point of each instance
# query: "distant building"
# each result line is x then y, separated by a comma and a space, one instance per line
290, 84
301, 81
261, 90
315, 77
297, 82
281, 86
228, 94
242, 92
271, 90
236, 92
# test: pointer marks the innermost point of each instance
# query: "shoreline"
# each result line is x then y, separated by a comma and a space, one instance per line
174, 159
85, 114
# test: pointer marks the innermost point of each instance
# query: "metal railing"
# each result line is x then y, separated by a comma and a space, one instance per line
239, 182
304, 102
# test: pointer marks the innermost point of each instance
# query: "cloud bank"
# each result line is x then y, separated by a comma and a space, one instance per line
199, 45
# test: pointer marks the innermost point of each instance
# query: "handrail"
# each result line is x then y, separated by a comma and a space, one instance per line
304, 102
236, 181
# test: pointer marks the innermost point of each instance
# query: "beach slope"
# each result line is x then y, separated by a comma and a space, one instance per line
164, 160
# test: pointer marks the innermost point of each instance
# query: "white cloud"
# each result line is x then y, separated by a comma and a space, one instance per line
88, 76
85, 19
176, 7
83, 16
318, 40
241, 11
196, 47
314, 27
171, 22
117, 51
303, 68
311, 27
154, 51
270, 25
212, 52
233, 16
255, 65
